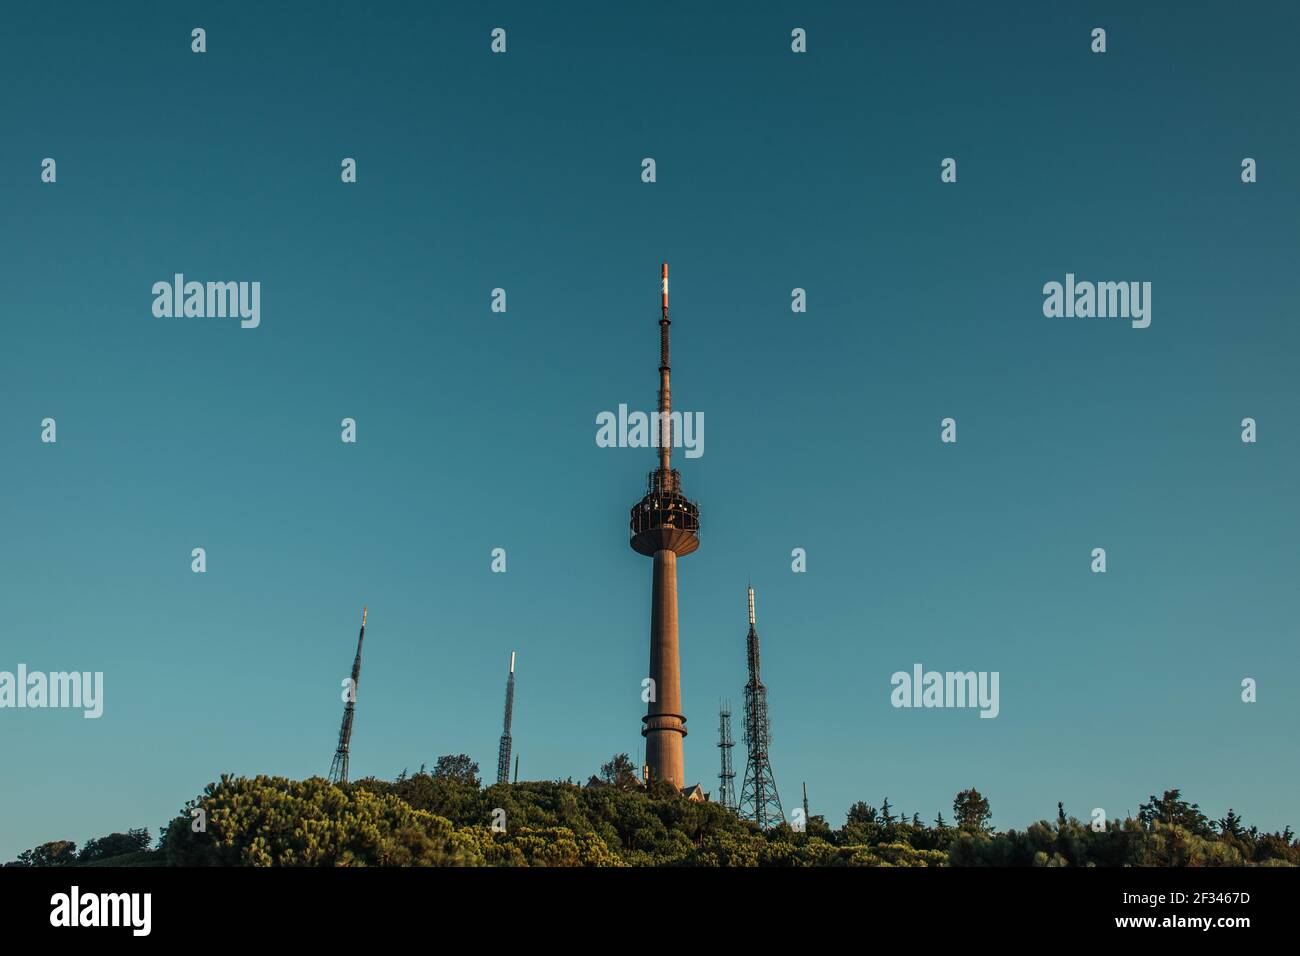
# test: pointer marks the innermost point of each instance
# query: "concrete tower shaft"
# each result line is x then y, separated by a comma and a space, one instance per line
665, 725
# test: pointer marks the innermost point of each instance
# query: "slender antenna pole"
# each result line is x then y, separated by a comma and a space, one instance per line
665, 393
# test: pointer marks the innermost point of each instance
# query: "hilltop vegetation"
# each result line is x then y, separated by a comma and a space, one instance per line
117, 849
428, 820
447, 818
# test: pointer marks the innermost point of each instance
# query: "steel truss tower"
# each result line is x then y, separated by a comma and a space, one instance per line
727, 775
503, 754
339, 768
758, 797
664, 526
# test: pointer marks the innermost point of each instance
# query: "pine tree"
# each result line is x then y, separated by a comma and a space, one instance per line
861, 812
1231, 825
1173, 809
972, 810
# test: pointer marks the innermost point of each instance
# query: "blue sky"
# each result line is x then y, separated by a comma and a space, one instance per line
477, 430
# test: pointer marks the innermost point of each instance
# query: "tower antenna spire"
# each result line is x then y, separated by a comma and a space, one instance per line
339, 767
665, 371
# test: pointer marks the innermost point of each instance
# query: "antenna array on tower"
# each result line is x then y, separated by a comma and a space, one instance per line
503, 754
726, 775
339, 767
758, 797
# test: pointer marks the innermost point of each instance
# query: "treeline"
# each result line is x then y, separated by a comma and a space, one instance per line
123, 849
445, 817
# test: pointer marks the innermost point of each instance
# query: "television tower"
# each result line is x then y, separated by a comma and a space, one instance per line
503, 755
339, 768
727, 775
664, 526
758, 796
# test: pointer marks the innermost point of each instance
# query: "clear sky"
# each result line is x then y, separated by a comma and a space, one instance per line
477, 430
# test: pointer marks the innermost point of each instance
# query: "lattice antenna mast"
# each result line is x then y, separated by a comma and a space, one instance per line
339, 768
727, 774
503, 754
759, 800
